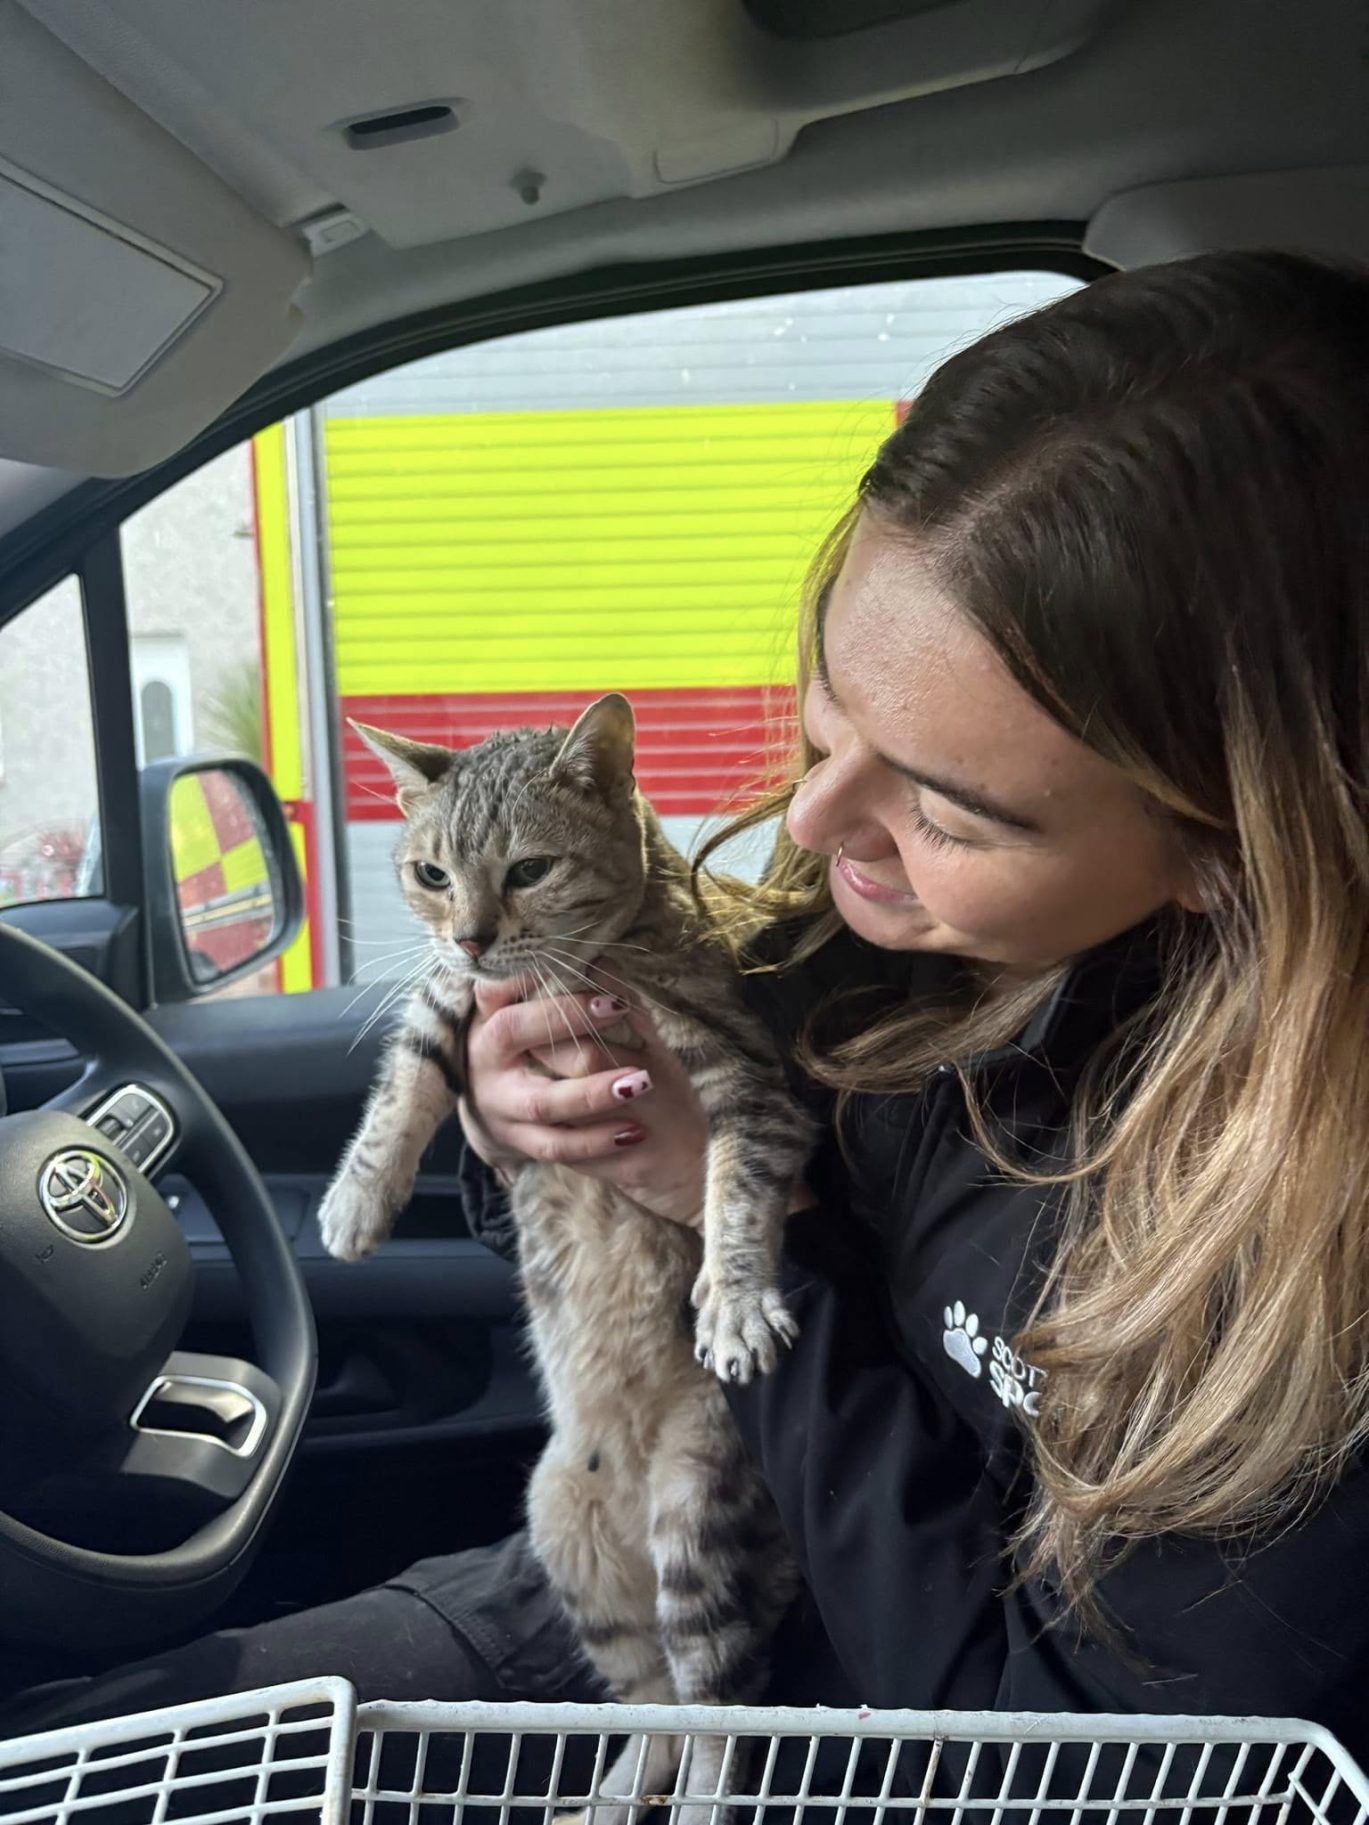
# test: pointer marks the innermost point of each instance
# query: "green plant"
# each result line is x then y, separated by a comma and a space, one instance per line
232, 713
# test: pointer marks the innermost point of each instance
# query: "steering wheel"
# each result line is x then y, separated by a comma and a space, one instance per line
135, 1479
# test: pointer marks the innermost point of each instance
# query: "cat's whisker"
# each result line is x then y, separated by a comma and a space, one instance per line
427, 1045
375, 982
363, 991
569, 988
553, 982
373, 944
607, 944
603, 944
397, 989
549, 988
403, 957
546, 960
379, 1012
360, 995
634, 990
546, 1000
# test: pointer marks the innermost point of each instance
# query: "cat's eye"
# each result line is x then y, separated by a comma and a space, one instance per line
529, 871
428, 874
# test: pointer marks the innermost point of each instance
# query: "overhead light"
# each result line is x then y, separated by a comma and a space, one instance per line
369, 132
330, 229
832, 18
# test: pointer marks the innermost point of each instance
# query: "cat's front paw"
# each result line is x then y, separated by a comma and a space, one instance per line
738, 1334
352, 1219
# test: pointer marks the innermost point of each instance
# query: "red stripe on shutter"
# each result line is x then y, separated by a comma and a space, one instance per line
698, 751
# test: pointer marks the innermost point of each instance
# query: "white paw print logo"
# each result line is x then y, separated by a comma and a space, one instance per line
962, 1341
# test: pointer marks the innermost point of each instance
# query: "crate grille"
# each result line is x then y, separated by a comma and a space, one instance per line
306, 1752
528, 1764
253, 1758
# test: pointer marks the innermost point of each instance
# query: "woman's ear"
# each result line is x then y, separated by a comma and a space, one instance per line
1190, 893
1206, 871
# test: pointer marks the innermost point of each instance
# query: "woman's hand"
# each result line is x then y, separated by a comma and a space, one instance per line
630, 1117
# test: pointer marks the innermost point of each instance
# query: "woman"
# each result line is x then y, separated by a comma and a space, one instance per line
1067, 932
1083, 1376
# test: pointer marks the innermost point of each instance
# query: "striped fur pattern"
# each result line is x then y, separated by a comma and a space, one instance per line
644, 1509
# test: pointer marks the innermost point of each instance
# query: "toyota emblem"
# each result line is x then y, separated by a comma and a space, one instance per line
84, 1195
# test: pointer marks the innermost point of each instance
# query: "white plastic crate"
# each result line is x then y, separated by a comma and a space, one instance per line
477, 1764
282, 1753
307, 1752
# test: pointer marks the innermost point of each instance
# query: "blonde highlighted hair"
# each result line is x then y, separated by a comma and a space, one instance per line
1149, 498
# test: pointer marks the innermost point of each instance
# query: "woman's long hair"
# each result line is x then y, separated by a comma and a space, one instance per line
1150, 498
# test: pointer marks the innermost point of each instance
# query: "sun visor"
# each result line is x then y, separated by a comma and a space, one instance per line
1316, 210
139, 296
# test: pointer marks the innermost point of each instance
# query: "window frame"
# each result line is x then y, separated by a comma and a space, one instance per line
80, 533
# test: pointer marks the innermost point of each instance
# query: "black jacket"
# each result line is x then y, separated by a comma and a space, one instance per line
893, 1436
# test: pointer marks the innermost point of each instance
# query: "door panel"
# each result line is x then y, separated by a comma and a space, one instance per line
102, 938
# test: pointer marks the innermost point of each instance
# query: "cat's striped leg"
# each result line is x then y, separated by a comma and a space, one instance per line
590, 1538
595, 1557
724, 1578
418, 1088
645, 1766
758, 1145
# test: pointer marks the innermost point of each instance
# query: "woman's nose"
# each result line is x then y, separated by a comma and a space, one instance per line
831, 807
820, 811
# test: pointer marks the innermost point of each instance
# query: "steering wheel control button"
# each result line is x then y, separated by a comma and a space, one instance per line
84, 1195
139, 1122
138, 1147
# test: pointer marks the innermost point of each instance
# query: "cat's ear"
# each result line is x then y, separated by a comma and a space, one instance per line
597, 754
415, 765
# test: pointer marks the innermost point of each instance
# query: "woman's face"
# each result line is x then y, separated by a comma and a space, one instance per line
958, 815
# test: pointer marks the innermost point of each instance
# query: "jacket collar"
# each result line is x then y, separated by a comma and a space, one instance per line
1101, 989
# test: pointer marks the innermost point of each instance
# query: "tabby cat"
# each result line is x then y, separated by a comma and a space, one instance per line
533, 855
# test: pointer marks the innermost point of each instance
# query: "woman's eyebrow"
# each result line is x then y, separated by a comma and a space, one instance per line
974, 802
978, 804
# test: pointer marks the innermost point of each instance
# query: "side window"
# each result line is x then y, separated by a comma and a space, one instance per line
494, 536
49, 797
516, 527
200, 602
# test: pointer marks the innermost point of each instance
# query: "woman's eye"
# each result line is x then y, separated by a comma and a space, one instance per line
428, 874
530, 871
935, 835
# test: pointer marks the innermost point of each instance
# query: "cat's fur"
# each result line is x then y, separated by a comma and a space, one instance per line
647, 1515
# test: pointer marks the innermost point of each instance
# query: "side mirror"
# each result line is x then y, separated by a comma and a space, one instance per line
224, 893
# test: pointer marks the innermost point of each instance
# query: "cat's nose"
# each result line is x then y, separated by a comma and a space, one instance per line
475, 943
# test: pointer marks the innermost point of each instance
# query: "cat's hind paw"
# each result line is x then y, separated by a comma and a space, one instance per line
738, 1335
351, 1220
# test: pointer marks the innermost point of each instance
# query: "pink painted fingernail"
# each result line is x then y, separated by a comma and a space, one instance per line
607, 1004
629, 1137
637, 1083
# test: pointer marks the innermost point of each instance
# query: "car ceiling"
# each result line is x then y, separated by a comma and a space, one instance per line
211, 135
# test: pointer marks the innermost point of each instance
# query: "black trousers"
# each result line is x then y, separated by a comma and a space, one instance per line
480, 1624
